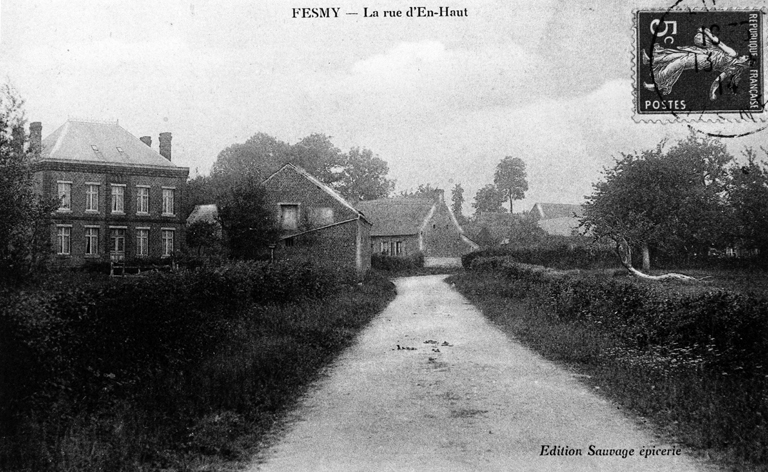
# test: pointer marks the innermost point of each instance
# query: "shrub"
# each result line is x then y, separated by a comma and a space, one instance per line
397, 263
557, 252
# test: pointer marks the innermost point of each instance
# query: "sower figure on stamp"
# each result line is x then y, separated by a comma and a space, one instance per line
708, 54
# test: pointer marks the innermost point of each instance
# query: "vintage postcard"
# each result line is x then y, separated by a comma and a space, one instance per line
342, 235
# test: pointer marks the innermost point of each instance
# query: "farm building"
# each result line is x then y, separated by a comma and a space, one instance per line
404, 226
315, 222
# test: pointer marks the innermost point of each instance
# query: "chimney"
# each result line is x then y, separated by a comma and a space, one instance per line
18, 138
439, 195
146, 140
165, 145
35, 138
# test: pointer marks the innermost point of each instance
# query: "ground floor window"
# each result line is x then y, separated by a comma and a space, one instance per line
142, 242
117, 242
398, 250
167, 242
64, 240
384, 247
91, 241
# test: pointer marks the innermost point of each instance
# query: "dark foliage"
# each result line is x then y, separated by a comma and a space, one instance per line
74, 355
558, 252
397, 263
690, 357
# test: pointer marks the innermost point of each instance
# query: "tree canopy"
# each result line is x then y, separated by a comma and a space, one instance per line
363, 176
249, 226
511, 179
488, 199
356, 175
673, 199
748, 194
25, 217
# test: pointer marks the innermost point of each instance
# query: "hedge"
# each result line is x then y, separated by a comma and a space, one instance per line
107, 337
397, 263
728, 329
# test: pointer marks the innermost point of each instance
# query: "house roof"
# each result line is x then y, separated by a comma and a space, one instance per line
546, 211
334, 194
565, 226
396, 216
99, 142
207, 213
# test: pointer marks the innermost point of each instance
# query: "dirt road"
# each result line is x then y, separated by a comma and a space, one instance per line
457, 395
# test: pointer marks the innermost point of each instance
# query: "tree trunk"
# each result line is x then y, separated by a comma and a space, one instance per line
624, 251
510, 202
646, 257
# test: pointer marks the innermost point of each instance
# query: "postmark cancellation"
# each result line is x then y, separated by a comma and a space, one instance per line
700, 65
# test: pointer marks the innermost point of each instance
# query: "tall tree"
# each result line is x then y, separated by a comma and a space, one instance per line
25, 217
511, 179
672, 200
249, 226
363, 176
488, 199
457, 202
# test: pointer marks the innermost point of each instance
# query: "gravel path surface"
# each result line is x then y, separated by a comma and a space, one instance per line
432, 386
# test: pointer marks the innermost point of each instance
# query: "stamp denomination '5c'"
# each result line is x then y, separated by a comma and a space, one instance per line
706, 65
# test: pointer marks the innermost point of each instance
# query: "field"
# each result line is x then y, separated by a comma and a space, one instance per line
690, 358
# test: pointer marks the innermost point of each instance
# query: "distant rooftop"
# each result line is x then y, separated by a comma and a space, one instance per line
546, 211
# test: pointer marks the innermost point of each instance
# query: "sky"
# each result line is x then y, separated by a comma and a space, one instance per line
442, 100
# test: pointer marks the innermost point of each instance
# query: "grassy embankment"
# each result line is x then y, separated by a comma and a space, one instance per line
692, 358
186, 371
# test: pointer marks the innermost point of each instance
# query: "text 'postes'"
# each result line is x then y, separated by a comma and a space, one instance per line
410, 12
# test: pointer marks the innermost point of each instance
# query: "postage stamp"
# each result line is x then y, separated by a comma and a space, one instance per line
700, 65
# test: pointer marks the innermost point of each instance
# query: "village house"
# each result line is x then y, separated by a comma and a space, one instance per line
314, 221
559, 219
119, 198
405, 226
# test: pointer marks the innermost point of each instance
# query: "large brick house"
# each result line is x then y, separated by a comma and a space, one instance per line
119, 198
405, 226
316, 222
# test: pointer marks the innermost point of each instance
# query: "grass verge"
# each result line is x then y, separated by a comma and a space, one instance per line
719, 412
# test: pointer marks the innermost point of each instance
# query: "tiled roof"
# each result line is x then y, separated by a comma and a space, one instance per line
207, 213
546, 211
564, 226
106, 143
396, 216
